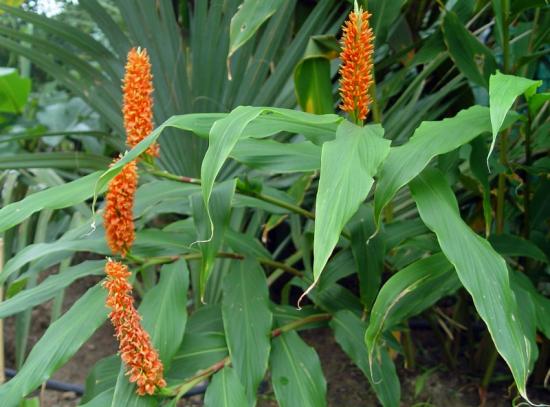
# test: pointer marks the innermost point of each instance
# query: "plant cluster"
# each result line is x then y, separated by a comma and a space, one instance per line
240, 220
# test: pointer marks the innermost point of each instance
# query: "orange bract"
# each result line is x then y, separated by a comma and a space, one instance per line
118, 217
356, 69
138, 100
142, 360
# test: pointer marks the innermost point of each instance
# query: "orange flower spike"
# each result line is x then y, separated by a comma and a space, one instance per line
357, 63
138, 100
118, 217
136, 351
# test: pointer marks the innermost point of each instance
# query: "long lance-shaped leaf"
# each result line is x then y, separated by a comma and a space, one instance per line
348, 166
67, 160
57, 197
223, 137
60, 342
409, 292
225, 390
247, 322
481, 270
222, 197
429, 140
349, 331
297, 377
466, 51
49, 288
251, 15
503, 90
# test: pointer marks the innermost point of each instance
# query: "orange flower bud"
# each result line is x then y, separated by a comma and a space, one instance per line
118, 216
136, 351
138, 100
357, 62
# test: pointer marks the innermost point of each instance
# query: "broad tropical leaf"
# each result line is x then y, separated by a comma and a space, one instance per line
409, 292
348, 166
429, 140
225, 390
349, 331
251, 15
491, 292
247, 322
503, 91
297, 376
222, 196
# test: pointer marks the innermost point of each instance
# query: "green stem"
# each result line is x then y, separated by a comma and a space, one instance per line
301, 322
197, 256
281, 204
279, 272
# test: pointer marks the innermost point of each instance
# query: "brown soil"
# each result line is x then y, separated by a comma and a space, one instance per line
347, 386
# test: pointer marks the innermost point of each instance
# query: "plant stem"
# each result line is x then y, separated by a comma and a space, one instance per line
197, 256
180, 390
278, 272
282, 204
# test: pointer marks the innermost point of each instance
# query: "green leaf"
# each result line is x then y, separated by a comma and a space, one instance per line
541, 303
223, 136
384, 13
297, 377
349, 331
198, 351
368, 253
101, 400
14, 91
247, 322
312, 79
66, 160
60, 342
225, 390
102, 377
58, 197
220, 206
429, 140
251, 15
503, 91
274, 158
477, 164
38, 250
472, 57
409, 292
348, 165
274, 120
49, 287
515, 246
297, 191
164, 310
480, 269
125, 393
